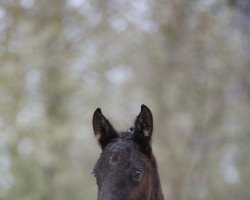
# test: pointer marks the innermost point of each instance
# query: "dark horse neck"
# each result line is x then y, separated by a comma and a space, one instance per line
157, 191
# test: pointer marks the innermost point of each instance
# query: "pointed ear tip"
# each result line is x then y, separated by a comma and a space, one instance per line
98, 110
144, 107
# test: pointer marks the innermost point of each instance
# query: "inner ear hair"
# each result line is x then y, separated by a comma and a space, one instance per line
146, 133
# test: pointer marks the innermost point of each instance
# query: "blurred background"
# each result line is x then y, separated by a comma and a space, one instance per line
189, 61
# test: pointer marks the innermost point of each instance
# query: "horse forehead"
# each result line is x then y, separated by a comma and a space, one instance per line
123, 147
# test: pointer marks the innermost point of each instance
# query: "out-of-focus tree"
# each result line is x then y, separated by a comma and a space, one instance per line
187, 60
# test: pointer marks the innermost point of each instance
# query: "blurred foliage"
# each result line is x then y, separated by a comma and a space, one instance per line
187, 60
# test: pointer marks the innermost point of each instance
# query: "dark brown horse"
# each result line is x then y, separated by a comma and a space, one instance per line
126, 169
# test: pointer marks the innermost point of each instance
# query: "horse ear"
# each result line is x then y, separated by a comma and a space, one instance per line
143, 127
103, 130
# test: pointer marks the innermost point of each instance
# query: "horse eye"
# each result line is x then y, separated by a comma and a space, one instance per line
138, 174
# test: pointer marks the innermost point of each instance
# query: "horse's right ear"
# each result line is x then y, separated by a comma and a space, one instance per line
103, 130
144, 129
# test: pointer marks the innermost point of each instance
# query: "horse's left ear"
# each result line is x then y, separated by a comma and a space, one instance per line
144, 125
103, 130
